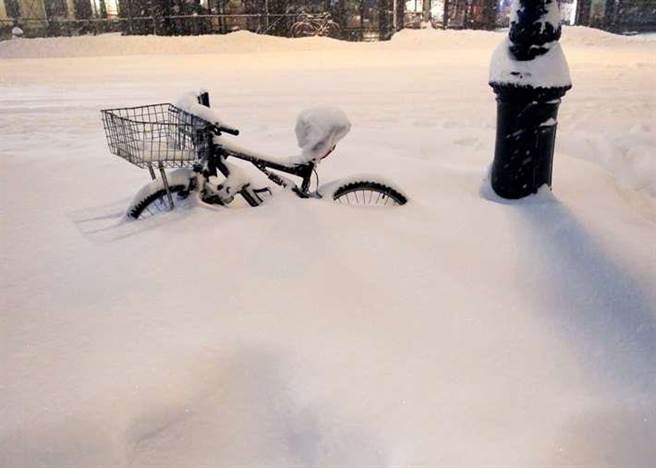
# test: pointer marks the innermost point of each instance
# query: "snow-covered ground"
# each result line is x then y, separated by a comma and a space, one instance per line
454, 331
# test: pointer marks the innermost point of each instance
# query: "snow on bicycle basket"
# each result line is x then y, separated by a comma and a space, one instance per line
318, 130
156, 135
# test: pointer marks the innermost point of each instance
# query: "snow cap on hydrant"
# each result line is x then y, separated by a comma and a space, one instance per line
531, 55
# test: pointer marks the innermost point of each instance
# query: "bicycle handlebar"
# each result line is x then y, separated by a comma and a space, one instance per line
204, 100
221, 129
230, 130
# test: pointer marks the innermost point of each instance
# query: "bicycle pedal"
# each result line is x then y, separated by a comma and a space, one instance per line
214, 200
263, 191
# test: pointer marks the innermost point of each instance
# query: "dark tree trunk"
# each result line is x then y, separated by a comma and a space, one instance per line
489, 14
426, 10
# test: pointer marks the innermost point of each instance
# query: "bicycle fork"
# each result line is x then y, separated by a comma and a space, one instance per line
224, 192
165, 181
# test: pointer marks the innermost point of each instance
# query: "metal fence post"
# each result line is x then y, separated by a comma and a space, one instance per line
130, 28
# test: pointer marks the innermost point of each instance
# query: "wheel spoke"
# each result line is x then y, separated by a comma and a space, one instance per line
369, 194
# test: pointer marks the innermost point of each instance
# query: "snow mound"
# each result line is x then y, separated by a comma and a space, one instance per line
242, 42
410, 38
585, 36
628, 155
572, 35
116, 45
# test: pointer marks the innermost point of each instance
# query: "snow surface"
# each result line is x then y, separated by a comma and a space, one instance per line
456, 330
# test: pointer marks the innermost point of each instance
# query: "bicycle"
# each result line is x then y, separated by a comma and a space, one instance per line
320, 24
189, 138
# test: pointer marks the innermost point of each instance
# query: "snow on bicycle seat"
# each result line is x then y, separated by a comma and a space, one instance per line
318, 130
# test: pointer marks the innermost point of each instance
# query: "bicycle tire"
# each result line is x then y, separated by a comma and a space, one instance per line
303, 29
366, 192
152, 198
332, 29
156, 203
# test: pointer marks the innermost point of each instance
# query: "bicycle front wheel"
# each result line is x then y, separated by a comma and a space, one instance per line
152, 199
303, 29
332, 29
156, 203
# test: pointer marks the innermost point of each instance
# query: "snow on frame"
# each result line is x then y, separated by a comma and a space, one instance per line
189, 103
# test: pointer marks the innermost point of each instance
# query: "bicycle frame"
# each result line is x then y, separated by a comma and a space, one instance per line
219, 154
304, 171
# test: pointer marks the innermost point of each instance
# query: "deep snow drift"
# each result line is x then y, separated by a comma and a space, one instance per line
457, 330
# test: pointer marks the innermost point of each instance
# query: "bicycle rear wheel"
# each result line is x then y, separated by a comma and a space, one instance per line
365, 192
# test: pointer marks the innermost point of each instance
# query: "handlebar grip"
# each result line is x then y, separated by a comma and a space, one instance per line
231, 131
218, 129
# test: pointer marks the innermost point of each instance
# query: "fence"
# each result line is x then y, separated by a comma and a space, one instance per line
170, 25
272, 24
356, 24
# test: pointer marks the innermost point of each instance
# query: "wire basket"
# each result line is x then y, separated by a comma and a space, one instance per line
159, 135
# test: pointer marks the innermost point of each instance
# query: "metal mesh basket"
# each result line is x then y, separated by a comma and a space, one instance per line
159, 135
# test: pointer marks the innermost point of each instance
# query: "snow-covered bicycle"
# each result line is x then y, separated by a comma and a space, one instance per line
318, 24
189, 138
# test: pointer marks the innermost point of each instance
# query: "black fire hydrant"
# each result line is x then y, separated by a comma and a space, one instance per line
529, 75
